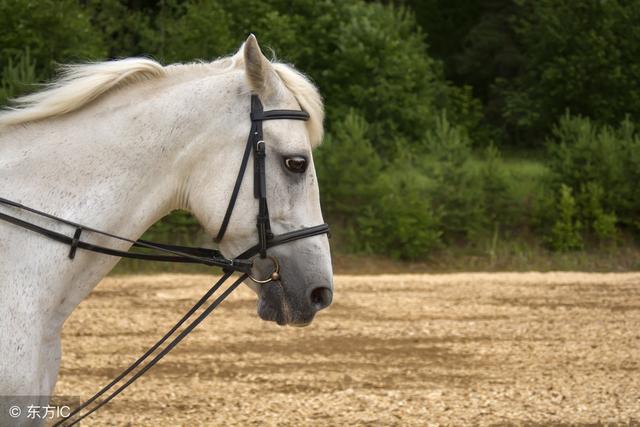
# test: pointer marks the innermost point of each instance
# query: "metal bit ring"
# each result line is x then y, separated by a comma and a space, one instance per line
275, 275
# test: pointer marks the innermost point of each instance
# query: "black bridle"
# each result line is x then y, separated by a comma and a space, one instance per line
184, 254
257, 146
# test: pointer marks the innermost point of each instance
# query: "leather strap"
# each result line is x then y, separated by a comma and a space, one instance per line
174, 342
279, 114
74, 243
204, 256
236, 187
256, 141
289, 237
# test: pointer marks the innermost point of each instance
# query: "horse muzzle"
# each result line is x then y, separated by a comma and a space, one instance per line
287, 297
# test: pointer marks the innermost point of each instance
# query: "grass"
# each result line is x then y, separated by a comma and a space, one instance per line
515, 255
526, 170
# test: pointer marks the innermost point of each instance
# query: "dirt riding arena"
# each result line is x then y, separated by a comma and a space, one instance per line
460, 349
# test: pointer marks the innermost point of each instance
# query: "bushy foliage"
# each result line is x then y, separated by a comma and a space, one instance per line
498, 199
53, 31
455, 190
347, 167
529, 60
565, 233
185, 31
370, 57
384, 209
400, 221
379, 55
601, 166
400, 170
603, 224
18, 76
583, 56
476, 43
421, 202
125, 25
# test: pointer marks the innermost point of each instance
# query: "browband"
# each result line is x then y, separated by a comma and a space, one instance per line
279, 114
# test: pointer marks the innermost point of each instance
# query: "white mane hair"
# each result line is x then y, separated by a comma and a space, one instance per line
81, 84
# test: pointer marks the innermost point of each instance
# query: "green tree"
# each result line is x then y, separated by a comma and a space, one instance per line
400, 221
601, 165
17, 76
347, 166
473, 39
455, 190
365, 56
186, 31
565, 233
54, 31
583, 56
495, 180
476, 43
123, 24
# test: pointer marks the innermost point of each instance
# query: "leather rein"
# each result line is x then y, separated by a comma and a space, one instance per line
184, 254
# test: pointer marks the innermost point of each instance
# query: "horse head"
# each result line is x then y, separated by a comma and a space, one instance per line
304, 283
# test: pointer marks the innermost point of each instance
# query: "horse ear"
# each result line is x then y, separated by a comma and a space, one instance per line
260, 72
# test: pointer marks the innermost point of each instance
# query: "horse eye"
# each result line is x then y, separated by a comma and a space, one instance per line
296, 164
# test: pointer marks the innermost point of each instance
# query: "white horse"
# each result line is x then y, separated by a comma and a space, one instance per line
116, 146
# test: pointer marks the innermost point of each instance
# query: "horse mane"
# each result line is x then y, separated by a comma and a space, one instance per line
81, 84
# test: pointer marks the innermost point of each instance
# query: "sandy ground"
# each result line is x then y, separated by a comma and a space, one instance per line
458, 349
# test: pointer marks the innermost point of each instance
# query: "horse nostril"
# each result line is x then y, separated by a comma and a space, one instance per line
321, 298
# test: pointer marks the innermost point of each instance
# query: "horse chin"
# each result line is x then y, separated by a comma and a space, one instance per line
271, 314
273, 306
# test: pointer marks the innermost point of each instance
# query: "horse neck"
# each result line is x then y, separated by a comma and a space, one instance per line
120, 164
117, 165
